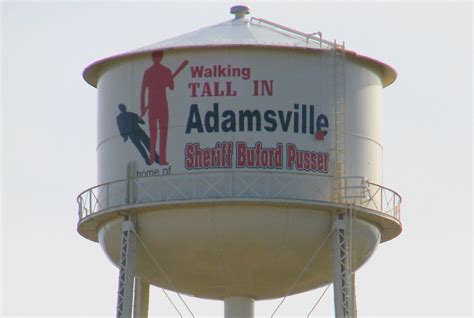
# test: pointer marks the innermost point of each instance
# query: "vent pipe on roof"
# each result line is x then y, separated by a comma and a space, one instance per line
239, 11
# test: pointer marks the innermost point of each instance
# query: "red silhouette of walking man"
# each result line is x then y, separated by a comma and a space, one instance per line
155, 81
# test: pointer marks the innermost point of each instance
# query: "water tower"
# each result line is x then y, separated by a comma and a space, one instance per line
239, 162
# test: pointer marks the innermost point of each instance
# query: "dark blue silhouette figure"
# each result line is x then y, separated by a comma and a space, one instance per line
129, 126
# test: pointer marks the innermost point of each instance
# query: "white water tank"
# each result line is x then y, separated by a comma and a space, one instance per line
223, 143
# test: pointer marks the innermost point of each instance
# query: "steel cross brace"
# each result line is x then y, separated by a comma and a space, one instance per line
126, 269
342, 271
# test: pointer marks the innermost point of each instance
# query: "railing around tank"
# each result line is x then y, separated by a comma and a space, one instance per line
360, 192
236, 185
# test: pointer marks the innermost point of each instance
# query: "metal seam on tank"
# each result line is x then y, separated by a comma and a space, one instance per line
219, 201
279, 202
107, 140
378, 143
287, 35
251, 33
202, 172
99, 66
119, 136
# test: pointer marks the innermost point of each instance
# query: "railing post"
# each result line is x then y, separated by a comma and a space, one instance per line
352, 189
381, 199
90, 201
345, 188
80, 208
107, 193
393, 203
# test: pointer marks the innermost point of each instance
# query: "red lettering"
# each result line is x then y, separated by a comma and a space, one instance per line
188, 150
206, 90
193, 87
229, 90
290, 156
217, 91
219, 156
241, 154
306, 160
263, 87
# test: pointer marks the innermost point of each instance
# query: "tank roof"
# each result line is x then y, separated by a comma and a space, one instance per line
243, 32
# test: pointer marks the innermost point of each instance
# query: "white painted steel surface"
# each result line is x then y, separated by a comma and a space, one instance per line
282, 120
222, 249
238, 190
239, 33
239, 307
269, 187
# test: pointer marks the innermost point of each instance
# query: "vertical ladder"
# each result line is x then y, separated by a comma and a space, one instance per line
339, 87
343, 277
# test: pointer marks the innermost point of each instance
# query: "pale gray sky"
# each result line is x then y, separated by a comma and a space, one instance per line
49, 133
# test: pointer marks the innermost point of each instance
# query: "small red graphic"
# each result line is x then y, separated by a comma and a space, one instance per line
319, 135
155, 81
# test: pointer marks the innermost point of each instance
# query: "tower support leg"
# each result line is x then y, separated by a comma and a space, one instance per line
342, 272
126, 269
128, 251
142, 295
239, 307
354, 299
